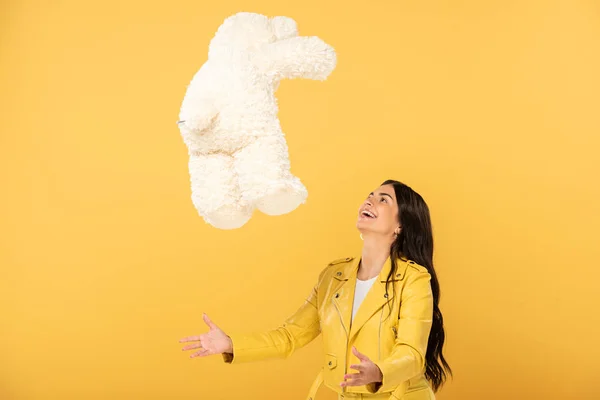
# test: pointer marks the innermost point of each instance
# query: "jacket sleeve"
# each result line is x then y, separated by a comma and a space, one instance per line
297, 331
407, 358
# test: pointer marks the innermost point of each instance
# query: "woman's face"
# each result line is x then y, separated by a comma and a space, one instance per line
379, 212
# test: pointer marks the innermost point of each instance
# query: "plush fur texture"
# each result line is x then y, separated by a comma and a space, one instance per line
238, 156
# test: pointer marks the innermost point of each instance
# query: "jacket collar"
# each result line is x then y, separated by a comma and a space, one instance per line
345, 276
349, 269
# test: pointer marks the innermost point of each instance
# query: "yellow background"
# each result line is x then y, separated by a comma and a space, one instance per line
489, 109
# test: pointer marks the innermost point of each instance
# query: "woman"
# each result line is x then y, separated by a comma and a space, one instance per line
378, 313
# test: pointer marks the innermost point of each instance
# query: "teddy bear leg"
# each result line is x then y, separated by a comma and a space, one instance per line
265, 178
215, 191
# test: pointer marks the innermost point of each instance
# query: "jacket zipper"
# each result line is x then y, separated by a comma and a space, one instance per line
346, 352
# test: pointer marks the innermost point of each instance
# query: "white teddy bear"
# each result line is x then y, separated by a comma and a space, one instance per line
238, 157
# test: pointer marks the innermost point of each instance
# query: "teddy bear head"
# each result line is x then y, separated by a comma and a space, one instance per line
247, 32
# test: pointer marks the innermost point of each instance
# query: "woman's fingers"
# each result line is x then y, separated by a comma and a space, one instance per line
192, 346
190, 339
358, 367
352, 382
359, 355
201, 353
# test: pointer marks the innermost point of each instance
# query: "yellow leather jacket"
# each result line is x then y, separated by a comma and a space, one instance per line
395, 341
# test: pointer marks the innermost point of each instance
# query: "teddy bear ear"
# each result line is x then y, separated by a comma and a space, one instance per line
284, 27
243, 21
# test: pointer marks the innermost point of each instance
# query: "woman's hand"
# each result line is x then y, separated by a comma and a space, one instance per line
215, 341
368, 372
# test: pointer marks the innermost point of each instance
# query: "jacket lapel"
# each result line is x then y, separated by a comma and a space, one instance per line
343, 291
376, 297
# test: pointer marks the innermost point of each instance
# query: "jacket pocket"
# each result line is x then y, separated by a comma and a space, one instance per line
330, 361
332, 374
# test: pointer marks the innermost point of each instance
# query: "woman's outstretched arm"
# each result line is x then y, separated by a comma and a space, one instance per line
297, 331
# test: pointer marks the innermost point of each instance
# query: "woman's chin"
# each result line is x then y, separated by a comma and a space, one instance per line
364, 226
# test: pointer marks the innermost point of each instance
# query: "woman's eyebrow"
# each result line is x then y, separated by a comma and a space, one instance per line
382, 194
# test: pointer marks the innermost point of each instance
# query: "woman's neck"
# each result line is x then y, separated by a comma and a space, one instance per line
375, 253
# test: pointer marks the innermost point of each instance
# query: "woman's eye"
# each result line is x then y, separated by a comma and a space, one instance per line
384, 200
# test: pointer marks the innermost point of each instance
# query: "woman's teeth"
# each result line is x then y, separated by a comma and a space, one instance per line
368, 214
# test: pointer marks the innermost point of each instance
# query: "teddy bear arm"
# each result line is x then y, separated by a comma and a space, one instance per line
198, 115
301, 57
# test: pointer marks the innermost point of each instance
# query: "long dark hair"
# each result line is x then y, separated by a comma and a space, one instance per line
415, 242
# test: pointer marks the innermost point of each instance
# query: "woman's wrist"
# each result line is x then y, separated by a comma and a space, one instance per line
379, 380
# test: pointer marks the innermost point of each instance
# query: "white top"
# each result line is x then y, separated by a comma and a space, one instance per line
362, 288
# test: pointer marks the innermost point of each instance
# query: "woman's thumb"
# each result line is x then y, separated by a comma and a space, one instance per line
208, 322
